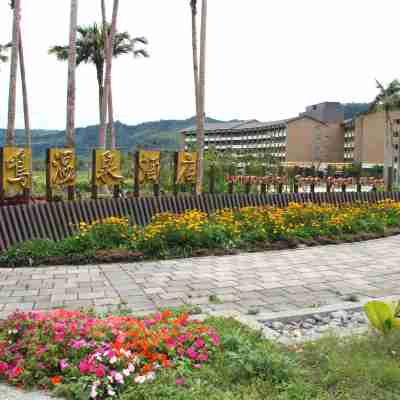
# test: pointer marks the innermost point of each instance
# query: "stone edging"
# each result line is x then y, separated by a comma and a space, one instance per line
285, 316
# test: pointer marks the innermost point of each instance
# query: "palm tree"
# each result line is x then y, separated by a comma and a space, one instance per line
12, 97
72, 61
388, 99
199, 77
90, 48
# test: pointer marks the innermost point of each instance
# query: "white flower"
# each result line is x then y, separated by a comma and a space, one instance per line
110, 378
140, 379
151, 376
119, 378
131, 368
93, 392
111, 392
113, 360
126, 372
127, 354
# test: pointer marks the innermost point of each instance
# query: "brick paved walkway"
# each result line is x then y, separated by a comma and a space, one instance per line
272, 281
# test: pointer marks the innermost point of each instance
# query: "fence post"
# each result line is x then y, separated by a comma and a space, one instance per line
49, 192
389, 183
136, 173
2, 193
359, 186
94, 168
312, 187
211, 183
175, 185
344, 188
263, 188
248, 188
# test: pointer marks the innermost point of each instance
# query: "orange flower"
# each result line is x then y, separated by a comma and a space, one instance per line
56, 380
146, 368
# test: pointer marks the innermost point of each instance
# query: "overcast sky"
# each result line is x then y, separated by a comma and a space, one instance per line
266, 59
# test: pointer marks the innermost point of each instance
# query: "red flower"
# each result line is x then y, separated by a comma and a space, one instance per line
56, 380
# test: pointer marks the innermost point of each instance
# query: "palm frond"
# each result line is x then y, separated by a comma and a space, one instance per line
91, 46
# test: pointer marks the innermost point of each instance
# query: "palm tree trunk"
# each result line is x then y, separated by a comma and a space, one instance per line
12, 97
100, 83
70, 132
202, 84
388, 158
111, 129
28, 133
110, 100
195, 62
107, 83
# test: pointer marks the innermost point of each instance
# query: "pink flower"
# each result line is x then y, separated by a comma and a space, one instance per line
199, 343
171, 343
3, 367
100, 371
215, 339
179, 381
78, 344
192, 353
203, 357
84, 367
64, 364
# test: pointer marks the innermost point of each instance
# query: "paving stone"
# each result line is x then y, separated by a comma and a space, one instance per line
274, 281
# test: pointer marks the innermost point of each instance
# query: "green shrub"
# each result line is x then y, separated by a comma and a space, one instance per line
27, 253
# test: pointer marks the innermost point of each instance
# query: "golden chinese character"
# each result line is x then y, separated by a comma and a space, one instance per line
149, 167
62, 167
187, 167
16, 169
108, 168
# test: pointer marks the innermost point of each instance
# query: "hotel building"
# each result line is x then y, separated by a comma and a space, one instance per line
318, 136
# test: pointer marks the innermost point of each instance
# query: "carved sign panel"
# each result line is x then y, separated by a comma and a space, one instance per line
149, 167
62, 167
186, 168
108, 168
16, 169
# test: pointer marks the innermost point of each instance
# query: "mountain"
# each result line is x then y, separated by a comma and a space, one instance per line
162, 134
353, 109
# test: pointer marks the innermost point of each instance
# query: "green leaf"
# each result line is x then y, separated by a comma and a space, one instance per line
380, 315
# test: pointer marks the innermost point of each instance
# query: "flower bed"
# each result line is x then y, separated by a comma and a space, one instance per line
100, 358
196, 233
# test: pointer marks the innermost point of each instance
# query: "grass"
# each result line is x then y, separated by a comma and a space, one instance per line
250, 368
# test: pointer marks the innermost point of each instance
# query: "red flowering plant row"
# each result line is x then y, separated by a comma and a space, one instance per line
103, 356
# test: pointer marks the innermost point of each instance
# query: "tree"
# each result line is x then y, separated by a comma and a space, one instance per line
110, 99
90, 49
199, 77
12, 97
193, 6
387, 100
72, 61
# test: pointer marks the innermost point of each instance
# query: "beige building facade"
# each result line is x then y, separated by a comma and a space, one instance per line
319, 136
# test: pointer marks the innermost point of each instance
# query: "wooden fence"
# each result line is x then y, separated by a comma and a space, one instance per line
58, 220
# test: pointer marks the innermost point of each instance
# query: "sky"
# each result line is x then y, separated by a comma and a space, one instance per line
266, 60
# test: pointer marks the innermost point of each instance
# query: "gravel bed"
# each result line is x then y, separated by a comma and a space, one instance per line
11, 393
313, 326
